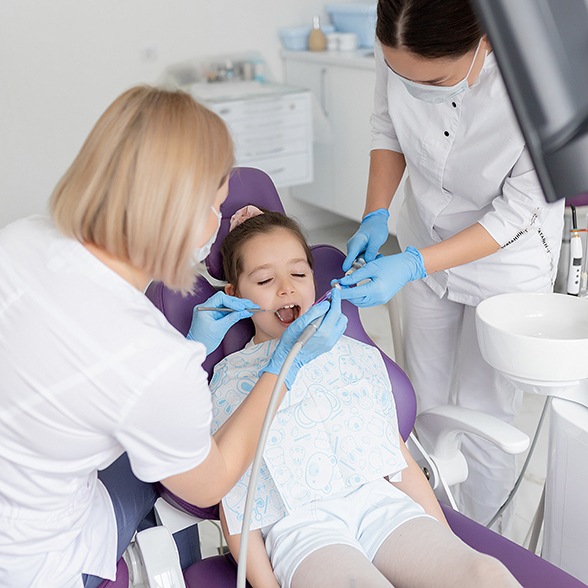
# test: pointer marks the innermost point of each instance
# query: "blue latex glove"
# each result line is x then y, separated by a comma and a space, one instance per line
328, 333
371, 235
210, 327
386, 275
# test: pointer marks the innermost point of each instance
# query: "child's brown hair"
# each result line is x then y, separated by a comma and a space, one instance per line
258, 225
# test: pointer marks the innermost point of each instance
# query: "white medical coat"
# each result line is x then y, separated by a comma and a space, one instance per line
467, 162
89, 368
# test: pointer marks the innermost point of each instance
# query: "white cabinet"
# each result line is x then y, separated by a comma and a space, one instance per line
342, 85
271, 126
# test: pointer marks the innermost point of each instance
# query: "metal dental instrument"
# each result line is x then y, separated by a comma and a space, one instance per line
223, 309
359, 262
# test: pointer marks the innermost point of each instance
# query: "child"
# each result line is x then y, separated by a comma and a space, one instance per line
323, 507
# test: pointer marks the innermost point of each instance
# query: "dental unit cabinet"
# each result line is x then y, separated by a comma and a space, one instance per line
270, 123
342, 87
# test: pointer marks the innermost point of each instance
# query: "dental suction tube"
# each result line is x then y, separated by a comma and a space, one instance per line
308, 332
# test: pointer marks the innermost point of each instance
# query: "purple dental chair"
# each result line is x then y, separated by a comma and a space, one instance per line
252, 186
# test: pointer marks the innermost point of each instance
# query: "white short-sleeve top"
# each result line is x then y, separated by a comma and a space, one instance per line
89, 369
467, 162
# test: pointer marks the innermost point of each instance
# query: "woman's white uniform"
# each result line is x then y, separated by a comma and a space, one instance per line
90, 369
467, 162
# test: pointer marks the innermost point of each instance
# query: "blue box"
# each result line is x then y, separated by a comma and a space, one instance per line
294, 38
355, 18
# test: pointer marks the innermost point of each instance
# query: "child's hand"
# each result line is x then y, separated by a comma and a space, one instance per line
209, 328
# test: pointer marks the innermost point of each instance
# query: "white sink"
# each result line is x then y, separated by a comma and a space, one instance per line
537, 339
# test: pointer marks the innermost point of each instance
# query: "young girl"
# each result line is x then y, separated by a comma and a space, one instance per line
323, 507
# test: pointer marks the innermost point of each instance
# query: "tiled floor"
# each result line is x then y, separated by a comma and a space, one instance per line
377, 325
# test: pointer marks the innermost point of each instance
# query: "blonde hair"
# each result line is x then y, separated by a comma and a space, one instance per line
142, 184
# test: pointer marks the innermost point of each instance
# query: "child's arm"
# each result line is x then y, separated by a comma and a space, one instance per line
259, 569
415, 485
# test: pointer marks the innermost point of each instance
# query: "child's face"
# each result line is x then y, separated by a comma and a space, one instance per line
275, 275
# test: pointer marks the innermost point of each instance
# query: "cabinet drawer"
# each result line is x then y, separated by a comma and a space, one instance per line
269, 124
274, 108
287, 170
248, 149
270, 133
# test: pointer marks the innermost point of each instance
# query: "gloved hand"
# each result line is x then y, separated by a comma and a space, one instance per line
210, 327
371, 235
386, 275
328, 333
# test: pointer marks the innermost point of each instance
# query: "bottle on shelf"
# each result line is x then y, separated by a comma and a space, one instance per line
317, 41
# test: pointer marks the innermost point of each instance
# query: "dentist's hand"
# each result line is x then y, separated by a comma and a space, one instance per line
210, 327
371, 235
328, 333
386, 276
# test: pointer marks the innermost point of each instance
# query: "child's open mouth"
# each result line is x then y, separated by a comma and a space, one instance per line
288, 314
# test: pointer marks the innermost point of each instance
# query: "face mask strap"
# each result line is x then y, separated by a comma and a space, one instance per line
473, 60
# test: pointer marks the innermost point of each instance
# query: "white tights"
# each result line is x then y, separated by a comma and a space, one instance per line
421, 553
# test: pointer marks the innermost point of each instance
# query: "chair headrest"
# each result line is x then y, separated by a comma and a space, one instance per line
247, 185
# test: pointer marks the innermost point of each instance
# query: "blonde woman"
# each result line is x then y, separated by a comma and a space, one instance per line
92, 374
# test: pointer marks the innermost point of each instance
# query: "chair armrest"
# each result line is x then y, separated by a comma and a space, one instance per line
172, 518
153, 560
444, 426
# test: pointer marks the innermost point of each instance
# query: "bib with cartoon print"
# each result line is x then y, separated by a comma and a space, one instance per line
335, 430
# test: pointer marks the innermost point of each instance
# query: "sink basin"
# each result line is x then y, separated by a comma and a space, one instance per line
538, 339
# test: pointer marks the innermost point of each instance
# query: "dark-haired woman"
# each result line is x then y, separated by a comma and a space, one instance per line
474, 222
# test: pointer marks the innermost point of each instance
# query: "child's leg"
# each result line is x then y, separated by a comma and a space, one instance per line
342, 566
425, 553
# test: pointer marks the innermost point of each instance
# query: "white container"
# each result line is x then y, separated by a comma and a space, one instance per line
333, 42
348, 41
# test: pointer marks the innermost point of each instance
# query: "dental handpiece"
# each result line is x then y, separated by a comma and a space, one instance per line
358, 263
575, 268
308, 332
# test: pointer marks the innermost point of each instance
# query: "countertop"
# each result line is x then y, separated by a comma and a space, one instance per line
229, 91
361, 58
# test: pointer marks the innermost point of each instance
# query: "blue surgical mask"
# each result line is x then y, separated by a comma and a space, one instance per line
201, 253
438, 94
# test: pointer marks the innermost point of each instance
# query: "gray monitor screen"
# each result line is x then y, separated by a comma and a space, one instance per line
541, 47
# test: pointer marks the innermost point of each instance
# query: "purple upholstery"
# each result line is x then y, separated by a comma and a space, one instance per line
250, 186
579, 200
122, 577
247, 185
530, 570
219, 571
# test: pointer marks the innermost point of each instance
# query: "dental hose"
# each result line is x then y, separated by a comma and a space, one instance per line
308, 332
525, 465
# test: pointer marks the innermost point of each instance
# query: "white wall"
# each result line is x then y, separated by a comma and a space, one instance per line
63, 61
